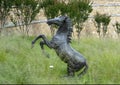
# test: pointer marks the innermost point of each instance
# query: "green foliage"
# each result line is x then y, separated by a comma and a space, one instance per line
5, 7
102, 20
105, 19
24, 12
53, 8
64, 8
50, 7
79, 11
117, 27
98, 20
105, 22
19, 64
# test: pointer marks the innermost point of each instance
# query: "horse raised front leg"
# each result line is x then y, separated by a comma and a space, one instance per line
42, 43
46, 42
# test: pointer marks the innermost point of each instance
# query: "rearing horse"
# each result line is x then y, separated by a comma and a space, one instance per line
61, 44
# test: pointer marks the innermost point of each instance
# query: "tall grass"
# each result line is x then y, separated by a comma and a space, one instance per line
19, 64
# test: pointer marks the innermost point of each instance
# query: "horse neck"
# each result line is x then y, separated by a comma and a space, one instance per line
66, 29
62, 29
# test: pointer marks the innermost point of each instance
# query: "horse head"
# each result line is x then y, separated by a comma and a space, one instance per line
65, 25
59, 21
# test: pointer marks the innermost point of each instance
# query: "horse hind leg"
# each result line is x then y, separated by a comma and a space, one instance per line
75, 67
70, 71
84, 66
45, 41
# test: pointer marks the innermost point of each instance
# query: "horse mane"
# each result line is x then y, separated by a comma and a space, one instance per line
69, 28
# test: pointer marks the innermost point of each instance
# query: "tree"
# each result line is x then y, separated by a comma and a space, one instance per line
79, 11
117, 28
5, 7
102, 21
98, 21
53, 8
24, 12
105, 22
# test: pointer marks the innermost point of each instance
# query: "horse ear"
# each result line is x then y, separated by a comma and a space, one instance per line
64, 21
65, 18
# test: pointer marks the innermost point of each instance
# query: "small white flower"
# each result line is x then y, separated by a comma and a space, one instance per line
51, 66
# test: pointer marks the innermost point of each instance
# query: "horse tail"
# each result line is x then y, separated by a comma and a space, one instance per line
85, 68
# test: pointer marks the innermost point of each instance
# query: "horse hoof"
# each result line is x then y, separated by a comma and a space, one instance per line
32, 46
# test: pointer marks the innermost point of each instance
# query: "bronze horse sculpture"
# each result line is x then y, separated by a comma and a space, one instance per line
60, 42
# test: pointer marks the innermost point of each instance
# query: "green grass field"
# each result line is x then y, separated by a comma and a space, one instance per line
19, 64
